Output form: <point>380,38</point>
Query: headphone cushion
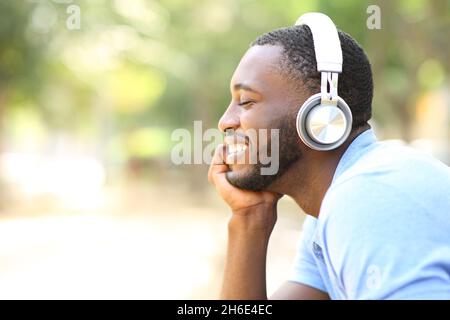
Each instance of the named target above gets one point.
<point>324,127</point>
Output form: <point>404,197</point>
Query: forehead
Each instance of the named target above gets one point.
<point>258,67</point>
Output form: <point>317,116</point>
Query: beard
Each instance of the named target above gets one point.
<point>288,154</point>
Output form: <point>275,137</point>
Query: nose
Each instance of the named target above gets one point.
<point>230,119</point>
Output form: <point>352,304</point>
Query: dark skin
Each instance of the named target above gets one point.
<point>261,94</point>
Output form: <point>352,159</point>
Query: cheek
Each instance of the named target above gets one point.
<point>252,121</point>
<point>261,116</point>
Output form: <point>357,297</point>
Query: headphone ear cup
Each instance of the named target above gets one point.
<point>324,127</point>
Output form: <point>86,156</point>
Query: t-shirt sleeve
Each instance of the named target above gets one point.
<point>304,269</point>
<point>383,243</point>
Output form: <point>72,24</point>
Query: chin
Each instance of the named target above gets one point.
<point>237,173</point>
<point>249,177</point>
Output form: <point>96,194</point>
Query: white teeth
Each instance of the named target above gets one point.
<point>235,148</point>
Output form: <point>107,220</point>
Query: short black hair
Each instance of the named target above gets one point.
<point>355,83</point>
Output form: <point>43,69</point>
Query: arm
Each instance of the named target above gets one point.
<point>248,238</point>
<point>245,269</point>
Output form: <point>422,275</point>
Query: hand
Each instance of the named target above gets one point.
<point>249,230</point>
<point>242,202</point>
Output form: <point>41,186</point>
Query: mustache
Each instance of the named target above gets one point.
<point>237,134</point>
<point>240,134</point>
<point>282,123</point>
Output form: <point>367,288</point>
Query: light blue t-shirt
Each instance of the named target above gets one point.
<point>383,231</point>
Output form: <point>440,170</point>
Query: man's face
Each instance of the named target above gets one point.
<point>262,98</point>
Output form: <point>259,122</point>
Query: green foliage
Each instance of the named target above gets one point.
<point>137,65</point>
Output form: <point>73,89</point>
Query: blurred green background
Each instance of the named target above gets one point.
<point>91,205</point>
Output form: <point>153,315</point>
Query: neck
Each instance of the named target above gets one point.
<point>308,179</point>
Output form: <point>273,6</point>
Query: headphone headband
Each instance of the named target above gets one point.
<point>324,121</point>
<point>326,41</point>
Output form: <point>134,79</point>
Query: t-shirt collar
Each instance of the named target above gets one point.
<point>363,140</point>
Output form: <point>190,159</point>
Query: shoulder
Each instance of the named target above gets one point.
<point>392,160</point>
<point>360,204</point>
<point>391,205</point>
<point>389,175</point>
<point>390,186</point>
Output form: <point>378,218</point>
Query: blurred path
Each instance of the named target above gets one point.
<point>171,248</point>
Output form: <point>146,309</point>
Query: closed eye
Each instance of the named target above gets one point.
<point>246,103</point>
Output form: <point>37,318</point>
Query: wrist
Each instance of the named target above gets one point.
<point>258,219</point>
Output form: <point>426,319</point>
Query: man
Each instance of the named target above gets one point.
<point>378,215</point>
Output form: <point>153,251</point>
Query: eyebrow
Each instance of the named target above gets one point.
<point>241,86</point>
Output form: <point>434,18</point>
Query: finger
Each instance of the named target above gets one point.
<point>223,186</point>
<point>217,164</point>
<point>219,155</point>
<point>217,172</point>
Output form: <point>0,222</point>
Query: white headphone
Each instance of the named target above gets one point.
<point>324,121</point>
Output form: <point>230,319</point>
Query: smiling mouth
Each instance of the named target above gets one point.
<point>236,147</point>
